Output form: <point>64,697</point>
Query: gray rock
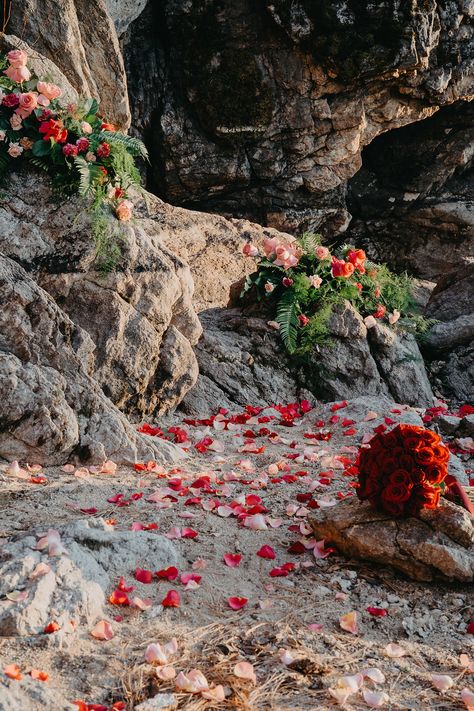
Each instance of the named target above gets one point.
<point>51,407</point>
<point>264,128</point>
<point>447,424</point>
<point>124,12</point>
<point>456,468</point>
<point>144,322</point>
<point>31,695</point>
<point>76,585</point>
<point>242,360</point>
<point>160,701</point>
<point>438,544</point>
<point>467,426</point>
<point>401,365</point>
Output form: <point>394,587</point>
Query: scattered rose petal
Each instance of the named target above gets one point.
<point>348,622</point>
<point>245,670</point>
<point>39,675</point>
<point>375,699</point>
<point>442,682</point>
<point>237,603</point>
<point>103,630</point>
<point>217,693</point>
<point>467,697</point>
<point>232,559</point>
<point>13,671</point>
<point>171,599</point>
<point>394,650</point>
<point>266,552</point>
<point>165,673</point>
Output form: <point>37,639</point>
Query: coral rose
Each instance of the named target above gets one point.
<point>49,91</point>
<point>124,210</point>
<point>322,252</point>
<point>27,103</point>
<point>18,74</point>
<point>249,250</point>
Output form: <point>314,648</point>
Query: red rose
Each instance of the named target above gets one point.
<point>424,455</point>
<point>441,454</point>
<point>400,476</point>
<point>103,150</point>
<point>396,492</point>
<point>11,100</point>
<point>436,473</point>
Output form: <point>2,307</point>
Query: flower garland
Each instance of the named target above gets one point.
<point>302,281</point>
<point>81,152</point>
<point>403,471</point>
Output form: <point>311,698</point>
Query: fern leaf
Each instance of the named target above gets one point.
<point>132,144</point>
<point>309,241</point>
<point>85,176</point>
<point>287,319</point>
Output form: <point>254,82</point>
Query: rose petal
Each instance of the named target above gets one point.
<point>237,603</point>
<point>375,699</point>
<point>165,673</point>
<point>394,650</point>
<point>103,630</point>
<point>245,670</point>
<point>232,559</point>
<point>468,699</point>
<point>442,682</point>
<point>348,622</point>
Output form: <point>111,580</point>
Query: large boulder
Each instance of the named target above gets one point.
<point>81,38</point>
<point>242,360</point>
<point>139,316</point>
<point>51,407</point>
<point>450,343</point>
<point>74,588</point>
<point>263,109</point>
<point>437,544</point>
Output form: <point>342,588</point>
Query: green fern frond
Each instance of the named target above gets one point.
<point>133,145</point>
<point>309,241</point>
<point>287,319</point>
<point>85,175</point>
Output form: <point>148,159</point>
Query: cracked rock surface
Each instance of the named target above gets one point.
<point>438,544</point>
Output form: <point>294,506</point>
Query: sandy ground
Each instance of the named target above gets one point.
<point>428,621</point>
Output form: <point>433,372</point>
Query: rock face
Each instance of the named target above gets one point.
<point>75,587</point>
<point>412,200</point>
<point>51,408</point>
<point>438,544</point>
<point>241,360</point>
<point>450,343</point>
<point>264,108</point>
<point>81,38</point>
<point>140,316</point>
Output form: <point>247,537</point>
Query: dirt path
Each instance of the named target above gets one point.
<point>289,629</point>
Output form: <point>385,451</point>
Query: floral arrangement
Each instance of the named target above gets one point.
<point>81,151</point>
<point>303,280</point>
<point>403,471</point>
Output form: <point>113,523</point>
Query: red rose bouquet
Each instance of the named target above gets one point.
<point>403,471</point>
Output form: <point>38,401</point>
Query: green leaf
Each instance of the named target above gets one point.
<point>287,319</point>
<point>41,148</point>
<point>133,145</point>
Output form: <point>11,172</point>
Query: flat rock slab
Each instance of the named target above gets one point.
<point>439,544</point>
<point>76,585</point>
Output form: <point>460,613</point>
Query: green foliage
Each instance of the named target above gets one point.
<point>287,319</point>
<point>132,145</point>
<point>304,294</point>
<point>108,239</point>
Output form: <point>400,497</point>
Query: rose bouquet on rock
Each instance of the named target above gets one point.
<point>403,471</point>
<point>303,281</point>
<point>81,151</point>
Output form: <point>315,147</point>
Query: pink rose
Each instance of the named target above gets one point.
<point>124,210</point>
<point>315,281</point>
<point>18,74</point>
<point>15,122</point>
<point>27,103</point>
<point>322,252</point>
<point>91,157</point>
<point>17,58</point>
<point>370,322</point>
<point>86,127</point>
<point>393,317</point>
<point>270,246</point>
<point>15,150</point>
<point>249,250</point>
<point>286,256</point>
<point>50,91</point>
<point>269,287</point>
